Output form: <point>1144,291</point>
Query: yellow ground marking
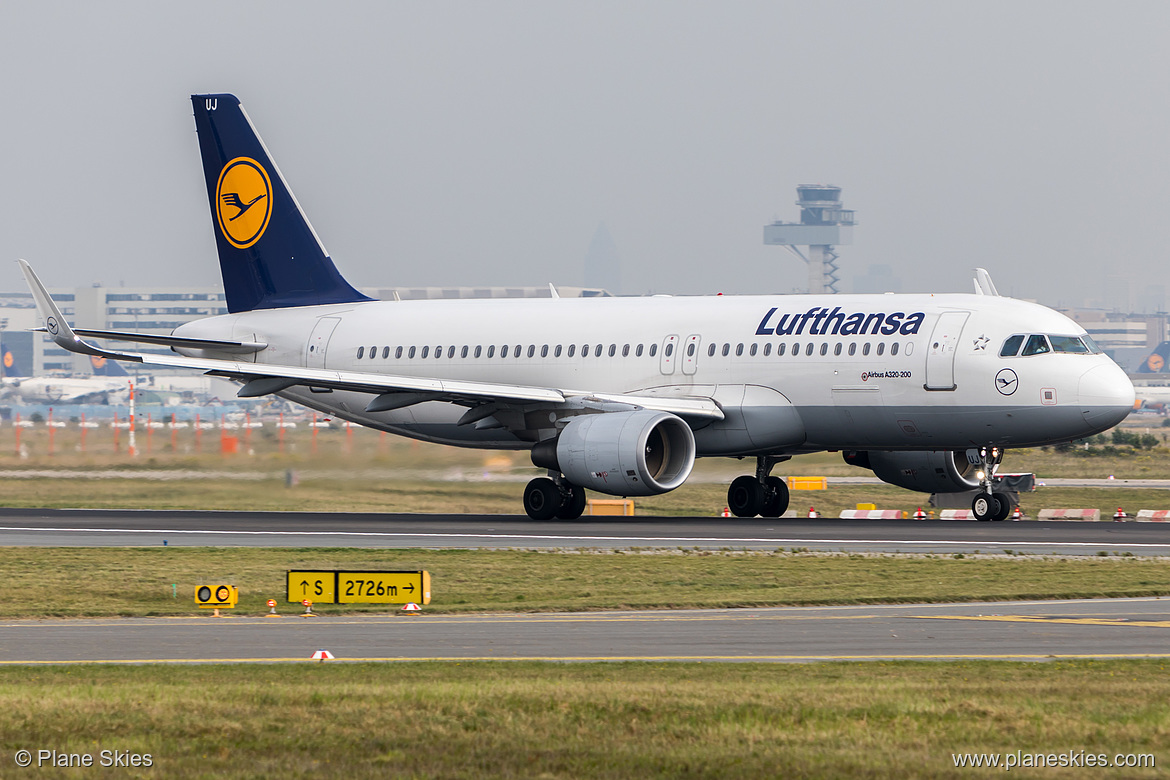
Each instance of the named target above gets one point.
<point>1085,621</point>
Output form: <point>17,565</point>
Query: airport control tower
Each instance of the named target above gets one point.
<point>823,225</point>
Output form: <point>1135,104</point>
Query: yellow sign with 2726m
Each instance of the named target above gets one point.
<point>360,587</point>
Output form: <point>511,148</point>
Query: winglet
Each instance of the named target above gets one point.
<point>55,322</point>
<point>983,283</point>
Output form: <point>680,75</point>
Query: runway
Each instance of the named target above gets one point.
<point>65,527</point>
<point>1022,631</point>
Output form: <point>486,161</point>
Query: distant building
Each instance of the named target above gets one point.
<point>877,279</point>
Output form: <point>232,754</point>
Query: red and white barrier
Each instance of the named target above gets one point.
<point>1153,516</point>
<point>1081,515</point>
<point>956,514</point>
<point>871,514</point>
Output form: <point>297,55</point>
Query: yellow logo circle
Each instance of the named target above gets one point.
<point>1155,362</point>
<point>243,200</point>
<point>98,362</point>
<point>8,360</point>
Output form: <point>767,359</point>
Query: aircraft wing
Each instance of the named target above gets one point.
<point>264,378</point>
<point>234,347</point>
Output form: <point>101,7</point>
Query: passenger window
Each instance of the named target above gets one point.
<point>584,350</point>
<point>824,349</point>
<point>768,349</point>
<point>597,351</point>
<point>852,348</point>
<point>669,350</point>
<point>411,353</point>
<point>738,350</point>
<point>544,351</point>
<point>398,353</point>
<point>385,352</point>
<point>808,350</point>
<point>438,352</point>
<point>638,351</point>
<point>796,349</point>
<point>531,350</point>
<point>491,350</point>
<point>361,351</point>
<point>503,351</point>
<point>1011,346</point>
<point>478,350</point>
<point>711,349</point>
<point>425,352</point>
<point>373,352</point>
<point>837,348</point>
<point>691,349</point>
<point>451,352</point>
<point>1037,345</point>
<point>780,350</point>
<point>653,350</point>
<point>517,350</point>
<point>865,348</point>
<point>753,349</point>
<point>626,350</point>
<point>463,353</point>
<point>894,348</point>
<point>881,347</point>
<point>557,351</point>
<point>572,349</point>
<point>612,350</point>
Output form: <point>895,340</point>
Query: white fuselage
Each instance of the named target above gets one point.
<point>792,373</point>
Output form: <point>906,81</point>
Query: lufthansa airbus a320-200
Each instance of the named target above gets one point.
<point>620,395</point>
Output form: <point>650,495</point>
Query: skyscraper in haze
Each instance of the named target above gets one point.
<point>603,268</point>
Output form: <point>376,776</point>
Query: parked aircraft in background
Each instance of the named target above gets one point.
<point>109,382</point>
<point>620,395</point>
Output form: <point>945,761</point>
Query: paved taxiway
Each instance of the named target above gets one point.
<point>1120,628</point>
<point>308,529</point>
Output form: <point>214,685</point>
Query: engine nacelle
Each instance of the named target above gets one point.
<point>639,453</point>
<point>928,472</point>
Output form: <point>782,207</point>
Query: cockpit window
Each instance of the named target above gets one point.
<point>1068,344</point>
<point>1011,346</point>
<point>1036,345</point>
<point>1092,345</point>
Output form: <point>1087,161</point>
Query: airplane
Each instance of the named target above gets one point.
<point>621,395</point>
<point>21,388</point>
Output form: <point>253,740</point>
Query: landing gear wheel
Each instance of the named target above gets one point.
<point>542,499</point>
<point>1005,507</point>
<point>775,497</point>
<point>745,497</point>
<point>573,504</point>
<point>985,506</point>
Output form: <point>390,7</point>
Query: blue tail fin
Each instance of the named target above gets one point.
<point>104,367</point>
<point>1158,361</point>
<point>269,254</point>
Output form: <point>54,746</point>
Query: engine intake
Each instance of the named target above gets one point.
<point>939,471</point>
<point>638,453</point>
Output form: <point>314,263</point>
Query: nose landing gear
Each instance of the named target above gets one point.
<point>989,504</point>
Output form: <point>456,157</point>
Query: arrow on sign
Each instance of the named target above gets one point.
<point>304,587</point>
<point>409,588</point>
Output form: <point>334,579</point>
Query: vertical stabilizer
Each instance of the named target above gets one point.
<point>269,254</point>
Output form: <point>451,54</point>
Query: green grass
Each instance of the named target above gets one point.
<point>70,582</point>
<point>474,720</point>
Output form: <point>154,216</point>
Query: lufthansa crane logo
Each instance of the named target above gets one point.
<point>243,202</point>
<point>1006,381</point>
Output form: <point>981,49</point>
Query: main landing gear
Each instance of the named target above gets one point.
<point>553,496</point>
<point>762,494</point>
<point>988,504</point>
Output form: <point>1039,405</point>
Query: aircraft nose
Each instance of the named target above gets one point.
<point>1106,396</point>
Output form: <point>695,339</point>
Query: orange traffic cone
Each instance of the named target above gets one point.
<point>1017,514</point>
<point>919,514</point>
<point>725,513</point>
<point>1120,514</point>
<point>812,512</point>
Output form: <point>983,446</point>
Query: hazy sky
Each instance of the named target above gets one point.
<point>483,143</point>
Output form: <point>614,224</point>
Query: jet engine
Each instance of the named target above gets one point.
<point>940,471</point>
<point>636,453</point>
